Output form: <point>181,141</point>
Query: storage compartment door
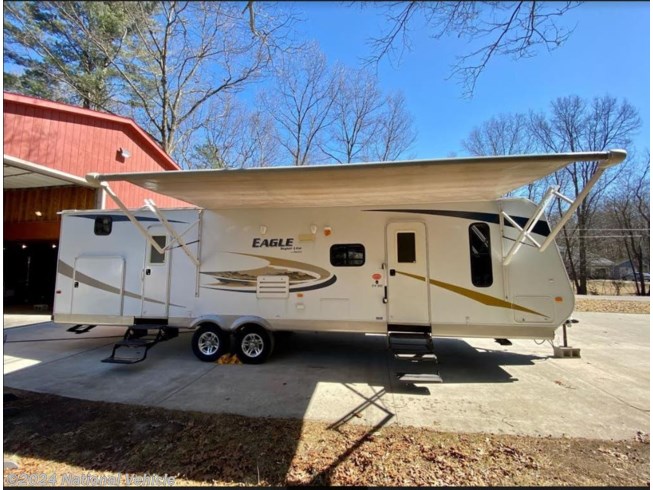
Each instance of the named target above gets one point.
<point>98,286</point>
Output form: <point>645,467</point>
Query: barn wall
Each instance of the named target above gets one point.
<point>20,205</point>
<point>80,141</point>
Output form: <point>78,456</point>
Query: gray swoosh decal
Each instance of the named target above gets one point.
<point>68,271</point>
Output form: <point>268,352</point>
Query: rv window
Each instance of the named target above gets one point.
<point>479,251</point>
<point>348,255</point>
<point>103,225</point>
<point>155,256</point>
<point>406,248</point>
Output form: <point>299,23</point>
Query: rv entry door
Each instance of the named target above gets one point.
<point>408,287</point>
<point>156,276</point>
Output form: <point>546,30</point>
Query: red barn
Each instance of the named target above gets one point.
<point>48,149</point>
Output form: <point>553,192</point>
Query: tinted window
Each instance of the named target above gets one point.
<point>406,247</point>
<point>155,256</point>
<point>479,252</point>
<point>348,255</point>
<point>103,225</point>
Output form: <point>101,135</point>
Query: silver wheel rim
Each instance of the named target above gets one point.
<point>208,343</point>
<point>252,345</point>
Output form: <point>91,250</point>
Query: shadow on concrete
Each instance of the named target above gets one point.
<point>459,362</point>
<point>354,374</point>
<point>462,363</point>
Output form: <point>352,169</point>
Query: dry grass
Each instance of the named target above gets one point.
<point>610,287</point>
<point>56,435</point>
<point>612,306</point>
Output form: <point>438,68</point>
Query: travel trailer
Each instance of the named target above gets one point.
<point>412,250</point>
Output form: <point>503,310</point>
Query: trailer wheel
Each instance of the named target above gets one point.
<point>209,342</point>
<point>253,344</point>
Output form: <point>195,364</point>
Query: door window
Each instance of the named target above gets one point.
<point>155,256</point>
<point>406,248</point>
<point>480,257</point>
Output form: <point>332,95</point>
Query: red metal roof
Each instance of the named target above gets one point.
<point>78,141</point>
<point>163,158</point>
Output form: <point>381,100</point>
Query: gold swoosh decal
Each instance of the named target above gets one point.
<point>297,282</point>
<point>293,264</point>
<point>476,296</point>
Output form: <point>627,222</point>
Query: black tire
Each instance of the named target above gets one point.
<point>253,344</point>
<point>210,342</point>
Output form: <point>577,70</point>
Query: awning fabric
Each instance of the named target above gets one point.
<point>21,174</point>
<point>365,184</point>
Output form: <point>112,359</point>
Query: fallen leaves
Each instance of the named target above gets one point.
<point>228,359</point>
<point>220,449</point>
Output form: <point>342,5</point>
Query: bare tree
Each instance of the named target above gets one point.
<point>515,29</point>
<point>301,103</point>
<point>575,124</point>
<point>394,133</point>
<point>236,138</point>
<point>505,134</point>
<point>629,208</point>
<point>187,54</point>
<point>355,116</point>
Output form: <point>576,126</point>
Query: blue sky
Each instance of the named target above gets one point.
<point>608,53</point>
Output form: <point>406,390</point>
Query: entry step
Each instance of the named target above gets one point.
<point>79,329</point>
<point>129,351</point>
<point>122,360</point>
<point>393,327</point>
<point>405,353</point>
<point>134,342</point>
<point>406,343</point>
<point>419,378</point>
<point>415,356</point>
<point>409,336</point>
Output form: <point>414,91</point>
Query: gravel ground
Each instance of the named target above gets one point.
<point>603,305</point>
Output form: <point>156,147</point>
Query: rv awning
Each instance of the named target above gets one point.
<point>373,184</point>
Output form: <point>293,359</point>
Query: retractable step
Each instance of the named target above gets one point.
<point>419,378</point>
<point>79,329</point>
<point>134,346</point>
<point>413,344</point>
<point>413,357</point>
<point>129,351</point>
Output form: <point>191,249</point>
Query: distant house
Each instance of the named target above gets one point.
<point>623,267</point>
<point>601,268</point>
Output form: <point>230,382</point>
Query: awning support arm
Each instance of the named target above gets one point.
<point>132,218</point>
<point>164,221</point>
<point>550,194</point>
<point>525,232</point>
<point>572,208</point>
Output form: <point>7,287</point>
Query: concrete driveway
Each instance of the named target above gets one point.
<point>518,389</point>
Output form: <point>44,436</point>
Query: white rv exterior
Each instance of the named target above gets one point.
<point>449,266</point>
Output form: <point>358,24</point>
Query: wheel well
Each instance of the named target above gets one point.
<point>210,323</point>
<point>251,324</point>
